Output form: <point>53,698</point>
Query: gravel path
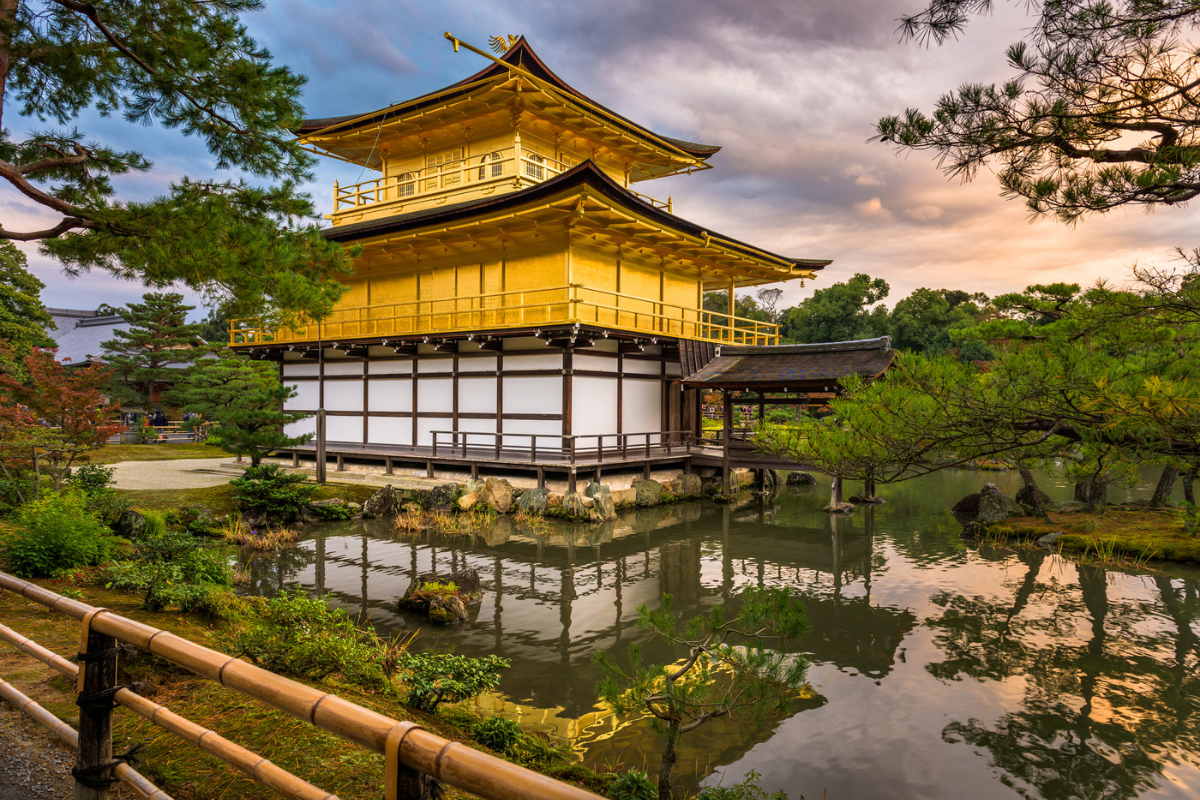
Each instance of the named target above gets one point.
<point>188,473</point>
<point>34,765</point>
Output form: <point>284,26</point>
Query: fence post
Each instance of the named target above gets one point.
<point>402,782</point>
<point>97,681</point>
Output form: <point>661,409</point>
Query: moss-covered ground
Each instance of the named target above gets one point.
<point>219,499</point>
<point>116,453</point>
<point>1122,533</point>
<point>186,772</point>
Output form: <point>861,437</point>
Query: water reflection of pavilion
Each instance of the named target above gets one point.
<point>552,600</point>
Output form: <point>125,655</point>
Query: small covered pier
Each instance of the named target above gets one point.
<point>792,374</point>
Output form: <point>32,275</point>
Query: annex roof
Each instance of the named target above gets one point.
<point>618,214</point>
<point>80,345</point>
<point>793,367</point>
<point>494,87</point>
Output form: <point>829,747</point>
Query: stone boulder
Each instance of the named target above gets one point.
<point>647,493</point>
<point>447,610</point>
<point>130,524</point>
<point>497,493</point>
<point>573,507</point>
<point>801,479</point>
<point>1051,539</point>
<point>994,506</point>
<point>689,485</point>
<point>473,486</point>
<point>468,501</point>
<point>602,500</point>
<point>554,500</point>
<point>861,499</point>
<point>770,479</point>
<point>968,506</point>
<point>840,508</point>
<point>443,498</point>
<point>533,501</point>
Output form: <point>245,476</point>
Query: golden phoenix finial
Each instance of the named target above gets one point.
<point>502,44</point>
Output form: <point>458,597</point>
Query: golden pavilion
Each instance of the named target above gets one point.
<point>514,292</point>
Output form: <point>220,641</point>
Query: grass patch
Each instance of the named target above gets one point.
<point>1132,533</point>
<point>219,499</point>
<point>185,771</point>
<point>114,453</point>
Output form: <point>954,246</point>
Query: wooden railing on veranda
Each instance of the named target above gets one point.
<point>572,303</point>
<point>412,754</point>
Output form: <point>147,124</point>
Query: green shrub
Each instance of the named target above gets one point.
<point>436,678</point>
<point>53,533</point>
<point>498,733</point>
<point>91,478</point>
<point>107,505</point>
<point>748,789</point>
<point>633,785</point>
<point>16,488</point>
<point>780,416</point>
<point>170,567</point>
<point>331,512</point>
<point>303,636</point>
<point>267,489</point>
<point>218,603</point>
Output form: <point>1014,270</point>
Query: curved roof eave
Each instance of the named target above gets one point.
<point>586,173</point>
<point>522,55</point>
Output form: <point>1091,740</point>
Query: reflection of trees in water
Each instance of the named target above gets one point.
<point>1100,717</point>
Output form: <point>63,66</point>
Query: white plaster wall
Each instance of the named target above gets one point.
<point>308,395</point>
<point>344,429</point>
<point>389,367</point>
<point>595,363</point>
<point>477,395</point>
<point>593,406</point>
<point>305,370</point>
<point>532,395</point>
<point>641,409</point>
<point>539,426</point>
<point>533,361</point>
<point>302,427</point>
<point>524,343</point>
<point>435,365</point>
<point>426,426</point>
<point>435,394</point>
<point>343,368</point>
<point>479,364</point>
<point>634,366</point>
<point>479,426</point>
<point>673,369</point>
<point>390,394</point>
<point>390,430</point>
<point>344,396</point>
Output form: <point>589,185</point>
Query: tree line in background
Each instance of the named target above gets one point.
<point>921,322</point>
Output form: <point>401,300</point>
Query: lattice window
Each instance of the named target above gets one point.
<point>444,169</point>
<point>535,167</point>
<point>490,166</point>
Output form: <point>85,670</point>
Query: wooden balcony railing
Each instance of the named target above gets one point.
<point>519,309</point>
<point>468,175</point>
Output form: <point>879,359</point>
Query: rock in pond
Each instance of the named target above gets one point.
<point>533,501</point>
<point>801,479</point>
<point>468,501</point>
<point>995,506</point>
<point>602,501</point>
<point>497,493</point>
<point>443,498</point>
<point>649,493</point>
<point>384,503</point>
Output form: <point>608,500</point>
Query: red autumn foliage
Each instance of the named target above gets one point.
<point>60,411</point>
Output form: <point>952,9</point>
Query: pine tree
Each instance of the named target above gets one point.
<point>246,399</point>
<point>187,65</point>
<point>157,345</point>
<point>23,318</point>
<point>1102,110</point>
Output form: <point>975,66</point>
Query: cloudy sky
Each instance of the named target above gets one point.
<point>790,88</point>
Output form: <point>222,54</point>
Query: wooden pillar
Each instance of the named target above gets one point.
<point>541,475</point>
<point>571,489</point>
<point>295,459</point>
<point>727,400</point>
<point>341,464</point>
<point>428,469</point>
<point>387,466</point>
<point>98,678</point>
<point>731,307</point>
<point>321,444</point>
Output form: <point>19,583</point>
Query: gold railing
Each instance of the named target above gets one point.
<point>518,309</point>
<point>469,174</point>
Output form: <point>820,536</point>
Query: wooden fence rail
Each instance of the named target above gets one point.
<point>412,754</point>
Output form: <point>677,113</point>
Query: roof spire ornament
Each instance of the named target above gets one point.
<point>501,44</point>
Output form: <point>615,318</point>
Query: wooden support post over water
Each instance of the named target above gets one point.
<point>295,459</point>
<point>429,469</point>
<point>321,446</point>
<point>727,414</point>
<point>571,481</point>
<point>341,464</point>
<point>97,681</point>
<point>387,466</point>
<point>646,470</point>
<point>541,473</point>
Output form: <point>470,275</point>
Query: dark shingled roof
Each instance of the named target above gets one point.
<point>522,55</point>
<point>585,174</point>
<point>795,367</point>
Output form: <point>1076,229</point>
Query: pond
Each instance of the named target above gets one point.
<point>940,667</point>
